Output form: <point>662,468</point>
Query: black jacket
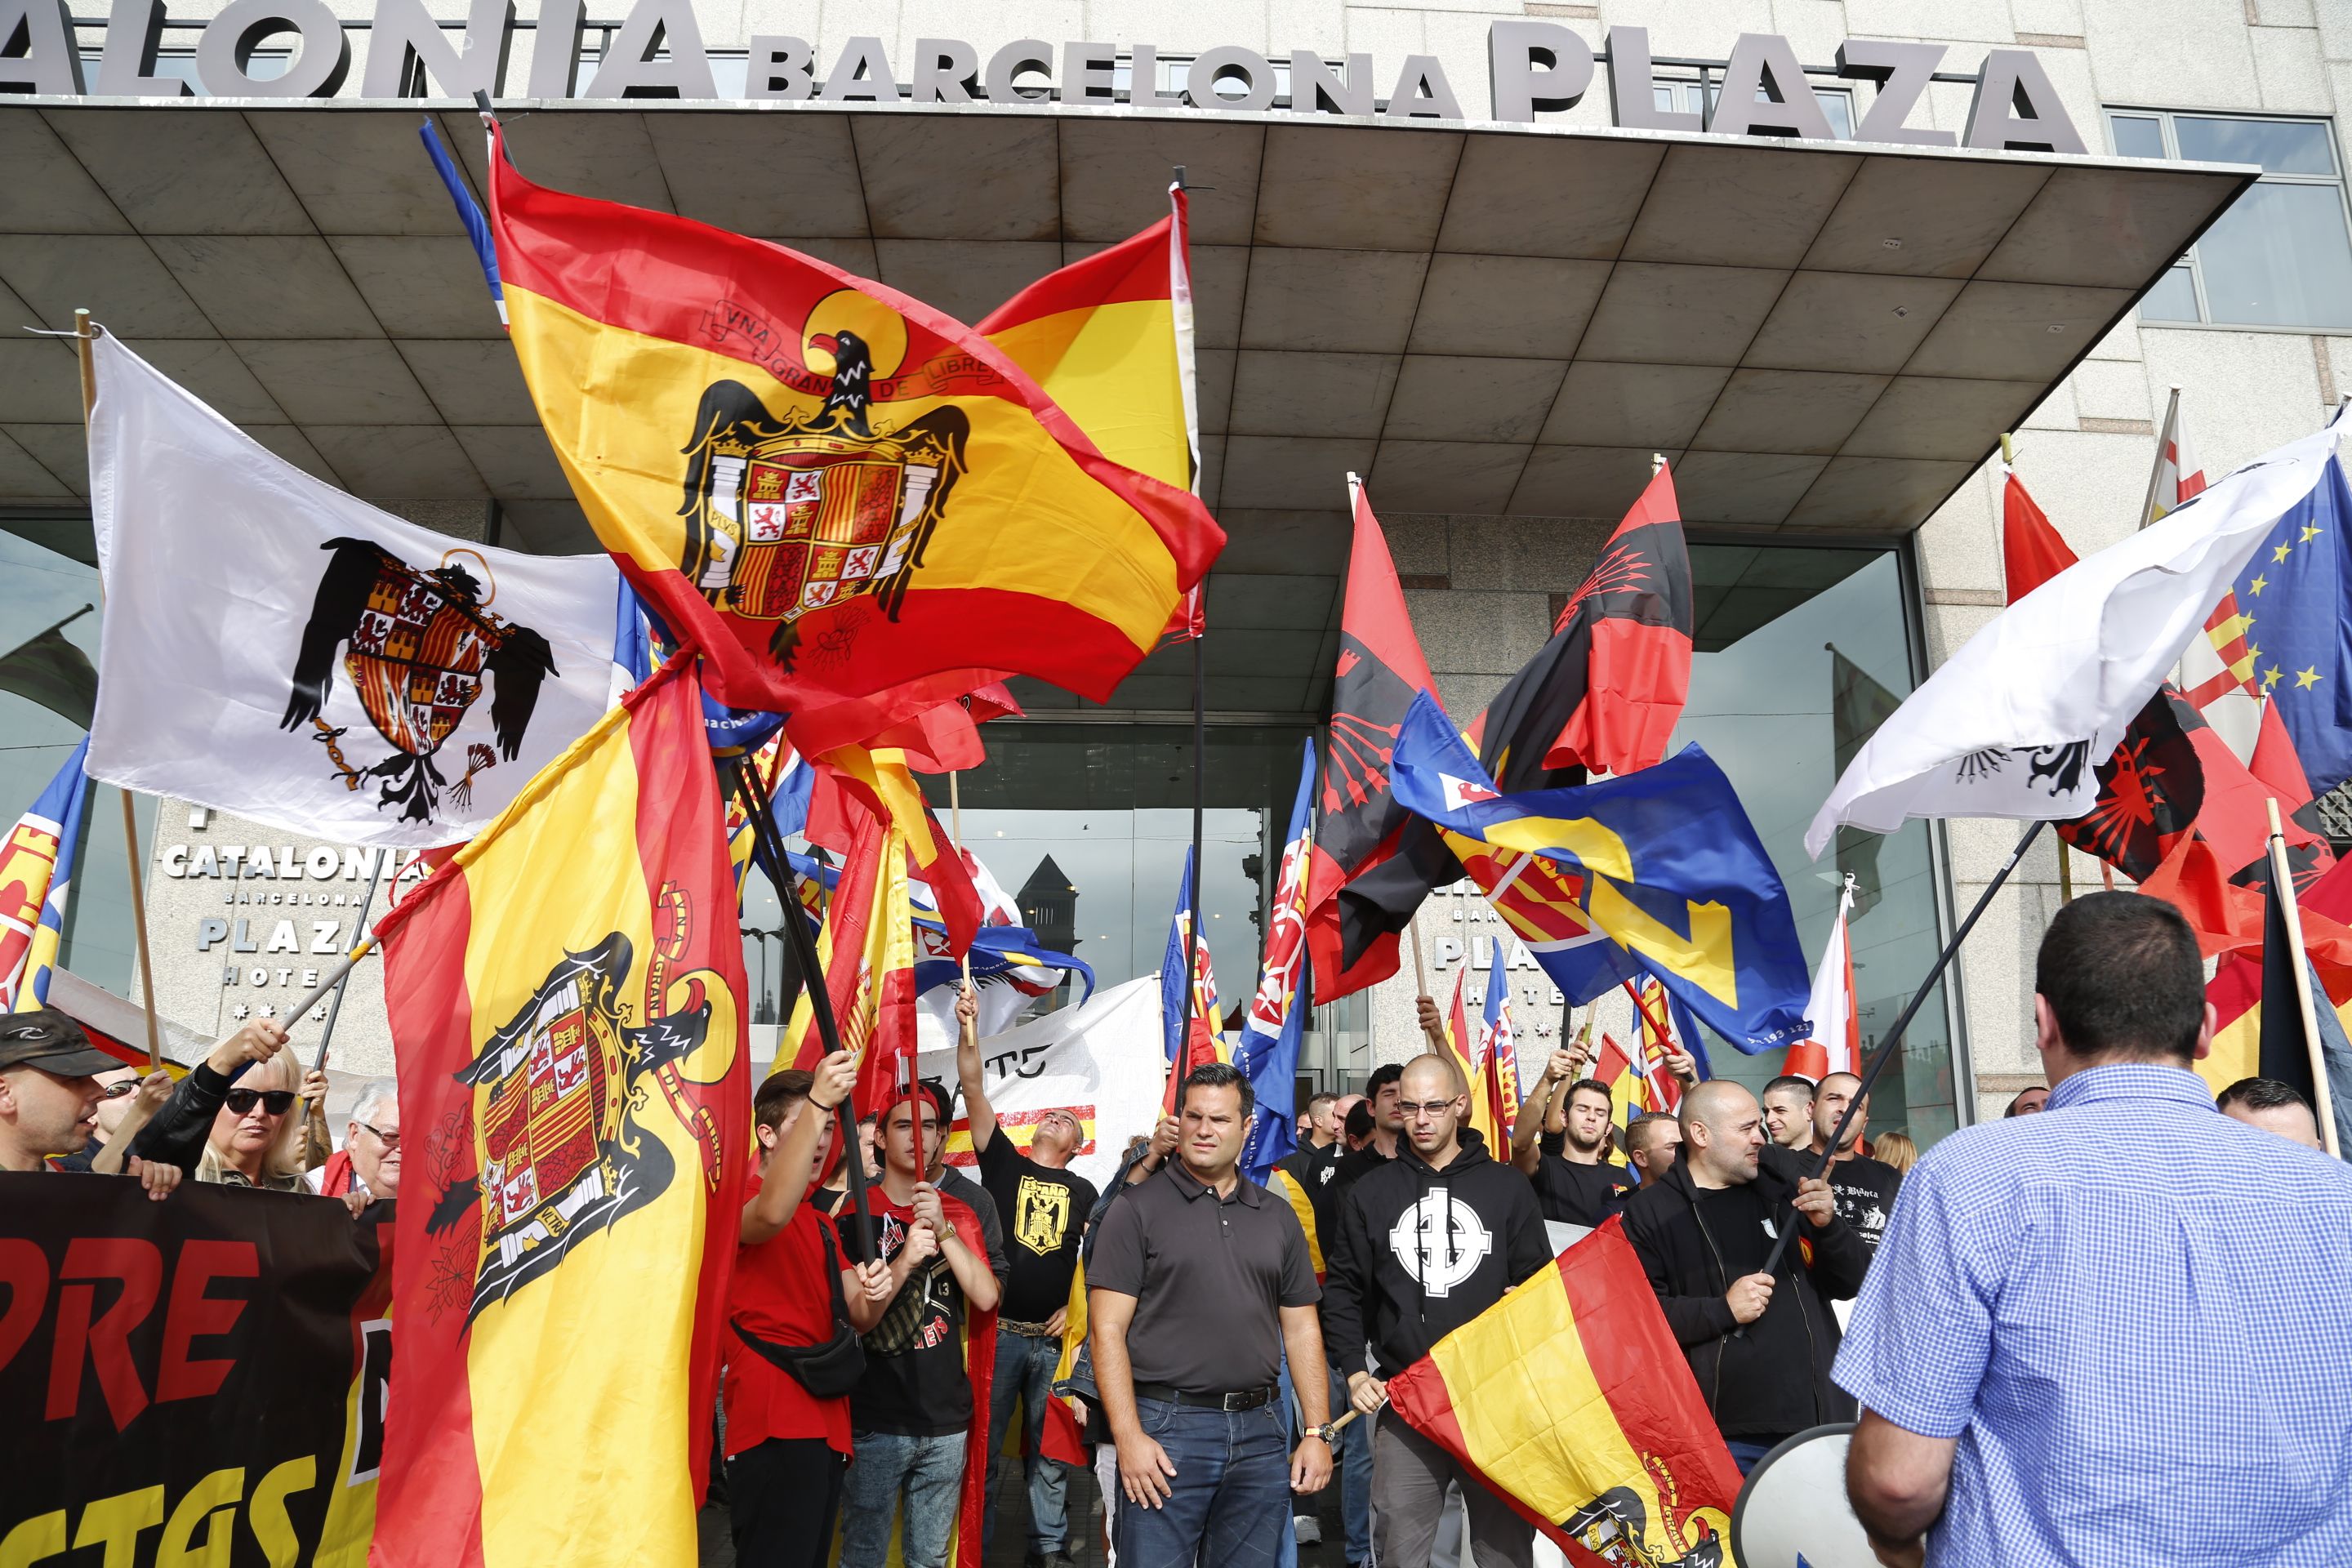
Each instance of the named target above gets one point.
<point>1487,1213</point>
<point>1775,1379</point>
<point>176,1134</point>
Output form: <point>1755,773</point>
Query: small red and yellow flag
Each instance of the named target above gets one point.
<point>867,952</point>
<point>1571,1400</point>
<point>564,1004</point>
<point>833,487</point>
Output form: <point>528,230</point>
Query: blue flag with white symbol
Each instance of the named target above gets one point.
<point>1268,1053</point>
<point>1660,870</point>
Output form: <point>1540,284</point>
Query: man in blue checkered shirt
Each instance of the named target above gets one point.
<point>2119,1332</point>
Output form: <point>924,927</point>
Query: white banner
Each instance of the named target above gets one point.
<point>1105,1061</point>
<point>279,649</point>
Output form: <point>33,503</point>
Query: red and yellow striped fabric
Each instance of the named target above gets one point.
<point>1571,1400</point>
<point>1109,339</point>
<point>831,487</point>
<point>563,1004</point>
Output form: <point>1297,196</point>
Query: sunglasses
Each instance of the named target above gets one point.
<point>276,1101</point>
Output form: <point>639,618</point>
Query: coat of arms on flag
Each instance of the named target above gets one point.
<point>420,640</point>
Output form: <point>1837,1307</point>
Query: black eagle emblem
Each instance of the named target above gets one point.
<point>799,516</point>
<point>419,643</point>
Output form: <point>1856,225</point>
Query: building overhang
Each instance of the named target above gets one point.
<point>1823,338</point>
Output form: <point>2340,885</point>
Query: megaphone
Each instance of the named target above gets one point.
<point>1792,1509</point>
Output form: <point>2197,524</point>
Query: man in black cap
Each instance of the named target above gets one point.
<point>49,1093</point>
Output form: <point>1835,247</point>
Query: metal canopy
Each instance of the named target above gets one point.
<point>1823,338</point>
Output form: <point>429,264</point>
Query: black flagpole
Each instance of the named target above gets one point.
<point>1893,1041</point>
<point>803,947</point>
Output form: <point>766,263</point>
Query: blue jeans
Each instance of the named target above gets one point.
<point>1228,1502</point>
<point>1747,1454</point>
<point>927,1471</point>
<point>1355,1472</point>
<point>1024,1376</point>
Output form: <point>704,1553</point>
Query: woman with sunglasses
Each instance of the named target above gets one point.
<point>256,1135</point>
<point>243,1079</point>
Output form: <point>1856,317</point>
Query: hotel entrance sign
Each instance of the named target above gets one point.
<point>657,52</point>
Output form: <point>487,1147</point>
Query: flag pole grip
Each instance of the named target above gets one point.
<point>2282,877</point>
<point>955,832</point>
<point>770,842</point>
<point>1892,1044</point>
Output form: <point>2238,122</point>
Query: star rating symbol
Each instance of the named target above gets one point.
<point>2279,553</point>
<point>267,1011</point>
<point>2256,587</point>
<point>2270,678</point>
<point>240,1011</point>
<point>2305,680</point>
<point>2310,532</point>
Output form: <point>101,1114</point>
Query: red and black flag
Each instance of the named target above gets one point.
<point>1357,819</point>
<point>1604,693</point>
<point>1609,686</point>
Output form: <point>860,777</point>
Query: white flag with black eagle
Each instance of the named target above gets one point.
<point>2016,723</point>
<point>277,648</point>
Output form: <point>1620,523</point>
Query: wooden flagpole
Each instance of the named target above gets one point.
<point>2283,879</point>
<point>955,832</point>
<point>84,336</point>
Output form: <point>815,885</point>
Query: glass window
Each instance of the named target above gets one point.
<point>1684,98</point>
<point>1800,653</point>
<point>2282,255</point>
<point>40,590</point>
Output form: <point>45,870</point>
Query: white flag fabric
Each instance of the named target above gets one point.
<point>1103,1060</point>
<point>2015,722</point>
<point>1834,1044</point>
<point>279,649</point>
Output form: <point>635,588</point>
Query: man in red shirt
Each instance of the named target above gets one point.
<point>786,1448</point>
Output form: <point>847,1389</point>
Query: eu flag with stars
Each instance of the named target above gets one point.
<point>1669,876</point>
<point>2293,597</point>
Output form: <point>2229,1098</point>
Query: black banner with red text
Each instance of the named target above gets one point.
<point>200,1380</point>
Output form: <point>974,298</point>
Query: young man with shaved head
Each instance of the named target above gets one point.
<point>1759,1344</point>
<point>1422,1246</point>
<point>1865,1188</point>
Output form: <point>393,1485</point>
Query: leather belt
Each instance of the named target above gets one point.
<point>1247,1399</point>
<point>1027,1330</point>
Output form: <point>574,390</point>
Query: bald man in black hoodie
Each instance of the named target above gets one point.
<point>1424,1244</point>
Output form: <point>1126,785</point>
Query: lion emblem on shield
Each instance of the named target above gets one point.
<point>787,518</point>
<point>419,645</point>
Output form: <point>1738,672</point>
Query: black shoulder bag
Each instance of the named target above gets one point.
<point>829,1370</point>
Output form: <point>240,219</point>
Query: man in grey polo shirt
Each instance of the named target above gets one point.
<point>1199,1283</point>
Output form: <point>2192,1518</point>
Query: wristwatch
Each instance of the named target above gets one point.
<point>1321,1433</point>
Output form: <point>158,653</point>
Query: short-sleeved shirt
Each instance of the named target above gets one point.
<point>915,1383</point>
<point>1207,1275</point>
<point>1043,1214</point>
<point>782,1294</point>
<point>1569,1193</point>
<point>2135,1316</point>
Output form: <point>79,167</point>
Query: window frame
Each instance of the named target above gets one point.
<point>2164,118</point>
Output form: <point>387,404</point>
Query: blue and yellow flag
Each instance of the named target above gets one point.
<point>36,865</point>
<point>1661,869</point>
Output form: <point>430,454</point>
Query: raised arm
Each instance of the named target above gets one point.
<point>976,1107</point>
<point>1560,1067</point>
<point>791,1161</point>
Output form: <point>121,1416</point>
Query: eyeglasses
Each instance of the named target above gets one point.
<point>276,1101</point>
<point>1431,1108</point>
<point>389,1139</point>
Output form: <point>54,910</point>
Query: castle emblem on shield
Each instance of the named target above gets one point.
<point>561,1142</point>
<point>789,517</point>
<point>420,645</point>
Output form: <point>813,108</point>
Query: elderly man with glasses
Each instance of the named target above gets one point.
<point>369,1161</point>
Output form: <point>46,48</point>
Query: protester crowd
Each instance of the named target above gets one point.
<point>1218,1366</point>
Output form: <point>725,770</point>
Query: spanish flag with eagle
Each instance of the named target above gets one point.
<point>564,1004</point>
<point>832,488</point>
<point>1570,1400</point>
